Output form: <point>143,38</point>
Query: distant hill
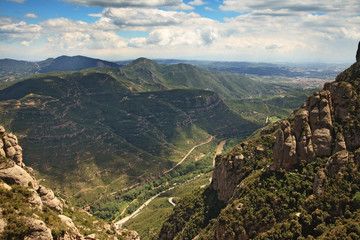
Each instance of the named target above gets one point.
<point>14,70</point>
<point>76,63</point>
<point>11,65</point>
<point>62,63</point>
<point>290,70</point>
<point>147,75</point>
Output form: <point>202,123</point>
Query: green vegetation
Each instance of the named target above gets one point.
<point>123,203</point>
<point>314,199</point>
<point>269,110</point>
<point>93,124</point>
<point>15,209</point>
<point>148,223</point>
<point>105,136</point>
<point>276,204</point>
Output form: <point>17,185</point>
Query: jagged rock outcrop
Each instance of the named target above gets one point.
<point>37,230</point>
<point>129,234</point>
<point>312,133</point>
<point>232,168</point>
<point>9,147</point>
<point>73,233</point>
<point>309,135</point>
<point>13,174</point>
<point>358,54</point>
<point>48,199</point>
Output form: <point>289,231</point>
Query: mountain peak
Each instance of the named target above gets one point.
<point>75,63</point>
<point>143,60</point>
<point>358,54</point>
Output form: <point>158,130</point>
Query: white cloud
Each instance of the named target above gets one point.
<point>125,18</point>
<point>345,7</point>
<point>197,3</point>
<point>11,30</point>
<point>31,15</point>
<point>132,3</point>
<point>56,25</point>
<point>279,31</point>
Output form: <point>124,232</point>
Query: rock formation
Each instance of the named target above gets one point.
<point>48,199</point>
<point>40,201</point>
<point>9,147</point>
<point>37,229</point>
<point>358,54</point>
<point>311,132</point>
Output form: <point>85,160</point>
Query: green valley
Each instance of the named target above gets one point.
<point>107,137</point>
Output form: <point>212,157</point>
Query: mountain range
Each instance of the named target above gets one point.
<point>99,129</point>
<point>14,70</point>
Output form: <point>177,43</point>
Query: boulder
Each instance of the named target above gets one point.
<point>10,152</point>
<point>5,186</point>
<point>319,182</point>
<point>17,175</point>
<point>9,147</point>
<point>37,230</point>
<point>128,234</point>
<point>74,232</point>
<point>35,199</point>
<point>48,199</point>
<point>339,143</point>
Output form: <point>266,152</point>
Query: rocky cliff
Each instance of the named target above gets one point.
<point>29,210</point>
<point>299,180</point>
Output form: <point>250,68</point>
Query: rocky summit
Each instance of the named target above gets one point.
<point>299,180</point>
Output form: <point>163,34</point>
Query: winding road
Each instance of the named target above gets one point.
<point>182,160</point>
<point>121,222</point>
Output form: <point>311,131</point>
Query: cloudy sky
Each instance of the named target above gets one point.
<point>228,30</point>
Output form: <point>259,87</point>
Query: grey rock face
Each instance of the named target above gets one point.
<point>309,135</point>
<point>48,199</point>
<point>10,148</point>
<point>17,175</point>
<point>38,230</point>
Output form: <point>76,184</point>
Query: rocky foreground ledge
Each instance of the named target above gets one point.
<point>29,210</point>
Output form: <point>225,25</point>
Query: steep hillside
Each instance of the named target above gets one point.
<point>300,181</point>
<point>29,210</point>
<point>82,130</point>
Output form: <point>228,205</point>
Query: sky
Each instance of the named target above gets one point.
<point>226,30</point>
